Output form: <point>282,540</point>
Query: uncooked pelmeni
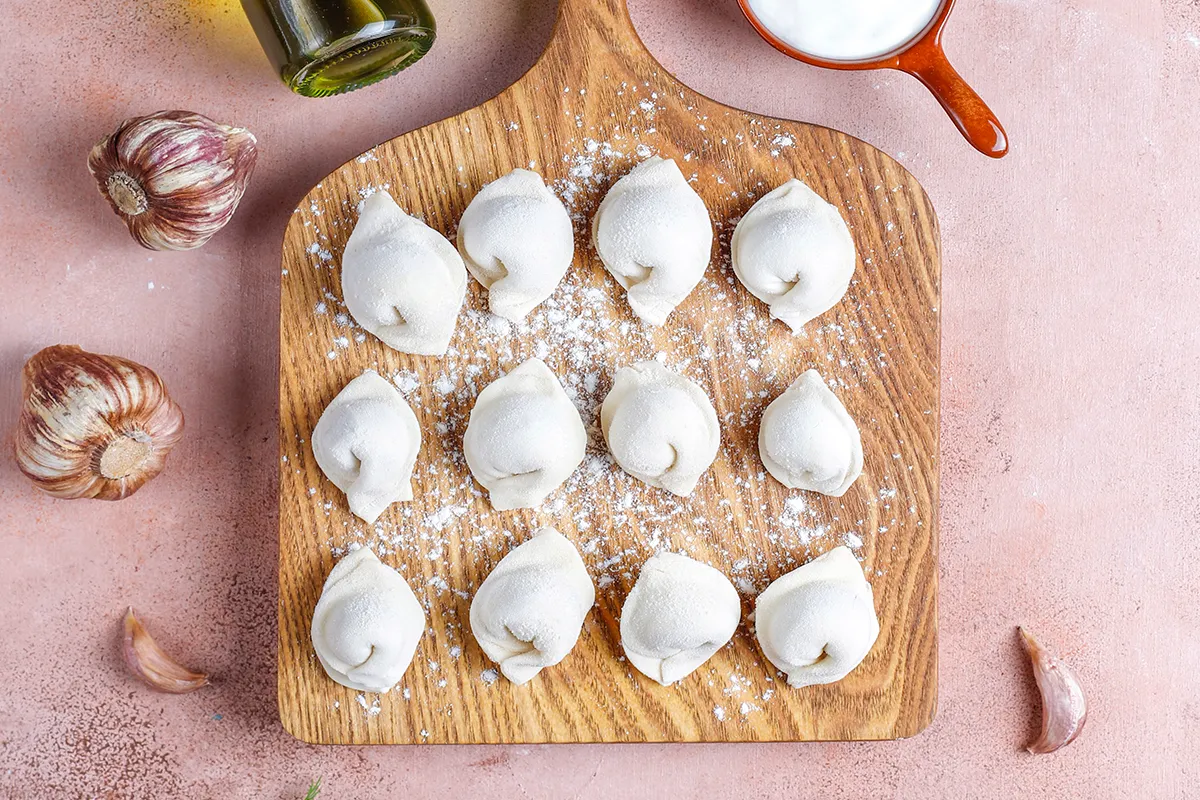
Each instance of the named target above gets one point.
<point>517,241</point>
<point>524,437</point>
<point>366,442</point>
<point>793,251</point>
<point>367,624</point>
<point>402,280</point>
<point>530,608</point>
<point>817,623</point>
<point>653,234</point>
<point>676,616</point>
<point>660,427</point>
<point>808,441</point>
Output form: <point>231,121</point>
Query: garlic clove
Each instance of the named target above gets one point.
<point>155,668</point>
<point>1064,708</point>
<point>174,177</point>
<point>93,425</point>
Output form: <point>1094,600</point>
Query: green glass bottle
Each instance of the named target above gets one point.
<point>324,47</point>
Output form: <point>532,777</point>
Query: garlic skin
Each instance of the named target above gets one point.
<point>174,177</point>
<point>93,425</point>
<point>1064,708</point>
<point>147,661</point>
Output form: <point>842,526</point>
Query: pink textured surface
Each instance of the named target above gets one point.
<point>1071,422</point>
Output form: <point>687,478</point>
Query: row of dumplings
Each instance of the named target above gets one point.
<point>525,437</point>
<point>815,624</point>
<point>405,283</point>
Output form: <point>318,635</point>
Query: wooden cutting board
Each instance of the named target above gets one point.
<point>595,104</point>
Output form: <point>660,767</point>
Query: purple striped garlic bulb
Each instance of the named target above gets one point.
<point>174,177</point>
<point>93,425</point>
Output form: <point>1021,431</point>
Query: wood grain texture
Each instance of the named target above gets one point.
<point>594,105</point>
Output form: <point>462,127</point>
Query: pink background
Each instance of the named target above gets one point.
<point>1071,422</point>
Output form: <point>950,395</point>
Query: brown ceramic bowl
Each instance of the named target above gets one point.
<point>923,58</point>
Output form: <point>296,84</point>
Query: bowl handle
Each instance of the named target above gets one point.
<point>928,63</point>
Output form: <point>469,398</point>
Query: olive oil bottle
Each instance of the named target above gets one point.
<point>324,47</point>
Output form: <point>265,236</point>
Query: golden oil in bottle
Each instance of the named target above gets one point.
<point>324,47</point>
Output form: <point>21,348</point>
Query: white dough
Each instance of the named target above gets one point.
<point>654,236</point>
<point>402,280</point>
<point>528,613</point>
<point>808,441</point>
<point>367,624</point>
<point>676,616</point>
<point>793,251</point>
<point>517,241</point>
<point>660,426</point>
<point>366,442</point>
<point>817,623</point>
<point>524,437</point>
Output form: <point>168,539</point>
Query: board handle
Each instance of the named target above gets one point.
<point>585,25</point>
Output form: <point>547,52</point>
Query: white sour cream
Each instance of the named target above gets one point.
<point>845,30</point>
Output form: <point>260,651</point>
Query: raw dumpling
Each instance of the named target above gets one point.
<point>817,623</point>
<point>367,624</point>
<point>528,612</point>
<point>654,235</point>
<point>660,427</point>
<point>677,615</point>
<point>366,442</point>
<point>524,437</point>
<point>808,441</point>
<point>402,280</point>
<point>517,241</point>
<point>793,251</point>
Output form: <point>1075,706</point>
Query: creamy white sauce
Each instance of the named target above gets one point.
<point>845,30</point>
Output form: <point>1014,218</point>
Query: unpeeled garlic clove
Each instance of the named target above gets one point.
<point>93,425</point>
<point>1064,708</point>
<point>154,667</point>
<point>174,177</point>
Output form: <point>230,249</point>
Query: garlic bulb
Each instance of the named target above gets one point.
<point>155,668</point>
<point>92,425</point>
<point>175,177</point>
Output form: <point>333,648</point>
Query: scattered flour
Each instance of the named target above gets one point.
<point>373,708</point>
